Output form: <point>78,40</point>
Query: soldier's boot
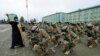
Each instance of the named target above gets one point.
<point>44,54</point>
<point>55,44</point>
<point>12,47</point>
<point>96,42</point>
<point>99,40</point>
<point>90,44</point>
<point>66,50</point>
<point>59,43</point>
<point>79,41</point>
<point>67,53</point>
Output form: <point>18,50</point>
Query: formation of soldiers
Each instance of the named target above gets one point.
<point>44,38</point>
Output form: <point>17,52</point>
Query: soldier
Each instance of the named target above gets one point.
<point>42,34</point>
<point>49,29</point>
<point>67,41</point>
<point>98,33</point>
<point>56,35</point>
<point>91,33</point>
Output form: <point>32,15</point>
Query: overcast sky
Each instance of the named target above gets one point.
<point>40,8</point>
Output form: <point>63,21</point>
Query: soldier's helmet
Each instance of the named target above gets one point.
<point>34,28</point>
<point>64,29</point>
<point>89,25</point>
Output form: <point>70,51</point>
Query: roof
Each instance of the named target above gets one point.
<point>54,14</point>
<point>85,9</point>
<point>76,10</point>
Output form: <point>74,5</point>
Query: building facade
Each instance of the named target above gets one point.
<point>91,14</point>
<point>54,18</point>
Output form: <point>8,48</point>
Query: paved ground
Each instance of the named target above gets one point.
<point>5,43</point>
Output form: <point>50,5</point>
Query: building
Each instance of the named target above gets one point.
<point>91,14</point>
<point>57,17</point>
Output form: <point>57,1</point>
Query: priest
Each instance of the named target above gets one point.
<point>17,35</point>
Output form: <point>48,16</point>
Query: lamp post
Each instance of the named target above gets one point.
<point>27,8</point>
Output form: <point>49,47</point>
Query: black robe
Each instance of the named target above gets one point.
<point>16,35</point>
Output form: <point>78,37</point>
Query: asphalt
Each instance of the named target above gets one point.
<point>5,42</point>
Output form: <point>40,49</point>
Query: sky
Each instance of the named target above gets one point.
<point>40,8</point>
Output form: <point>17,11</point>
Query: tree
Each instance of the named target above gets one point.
<point>4,21</point>
<point>1,21</point>
<point>33,20</point>
<point>22,19</point>
<point>26,22</point>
